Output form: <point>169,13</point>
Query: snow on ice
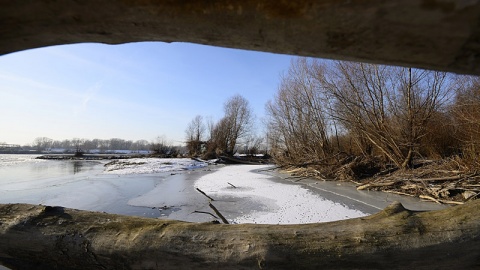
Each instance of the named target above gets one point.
<point>293,204</point>
<point>151,165</point>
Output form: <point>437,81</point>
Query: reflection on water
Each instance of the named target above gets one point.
<point>82,185</point>
<point>52,168</point>
<point>77,184</point>
<point>77,166</point>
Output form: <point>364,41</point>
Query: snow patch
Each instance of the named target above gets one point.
<point>151,165</point>
<point>293,204</point>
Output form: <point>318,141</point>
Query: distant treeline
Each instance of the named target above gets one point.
<point>159,146</point>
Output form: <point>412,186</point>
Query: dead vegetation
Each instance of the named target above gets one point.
<point>448,181</point>
<point>400,130</point>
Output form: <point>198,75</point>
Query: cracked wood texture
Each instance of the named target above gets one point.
<point>43,237</point>
<point>432,34</point>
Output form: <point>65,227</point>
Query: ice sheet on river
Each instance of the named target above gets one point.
<point>142,186</point>
<point>288,204</point>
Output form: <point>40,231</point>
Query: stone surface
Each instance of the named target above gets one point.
<point>434,34</point>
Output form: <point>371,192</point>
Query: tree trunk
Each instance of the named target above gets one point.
<point>43,237</point>
<point>408,161</point>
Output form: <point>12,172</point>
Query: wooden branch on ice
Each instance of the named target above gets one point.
<point>203,212</point>
<point>218,213</point>
<point>213,207</point>
<point>205,194</point>
<point>39,237</point>
<point>231,185</point>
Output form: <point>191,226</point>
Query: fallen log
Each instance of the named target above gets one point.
<point>43,237</point>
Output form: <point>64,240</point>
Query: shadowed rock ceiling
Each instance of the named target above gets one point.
<point>433,34</point>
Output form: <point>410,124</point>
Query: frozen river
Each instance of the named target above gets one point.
<point>88,185</point>
<point>167,188</point>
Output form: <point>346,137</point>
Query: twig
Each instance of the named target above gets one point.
<point>231,185</point>
<point>430,198</point>
<point>373,185</point>
<point>270,169</point>
<point>387,171</point>
<point>451,178</point>
<point>399,193</point>
<point>218,213</point>
<point>356,183</point>
<point>451,202</point>
<point>473,197</point>
<point>205,194</point>
<point>208,213</point>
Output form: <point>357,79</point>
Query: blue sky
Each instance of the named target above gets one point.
<point>130,91</point>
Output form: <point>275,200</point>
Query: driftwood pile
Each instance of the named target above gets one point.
<point>445,181</point>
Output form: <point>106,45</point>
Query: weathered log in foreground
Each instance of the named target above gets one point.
<point>39,237</point>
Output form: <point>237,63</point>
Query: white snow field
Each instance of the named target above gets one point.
<point>287,203</point>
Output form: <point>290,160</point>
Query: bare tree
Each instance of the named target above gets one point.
<point>466,111</point>
<point>379,108</point>
<point>219,137</point>
<point>387,106</point>
<point>236,124</point>
<point>42,143</point>
<point>78,144</point>
<point>298,120</point>
<point>239,120</point>
<point>139,145</point>
<point>195,133</point>
<point>162,148</point>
